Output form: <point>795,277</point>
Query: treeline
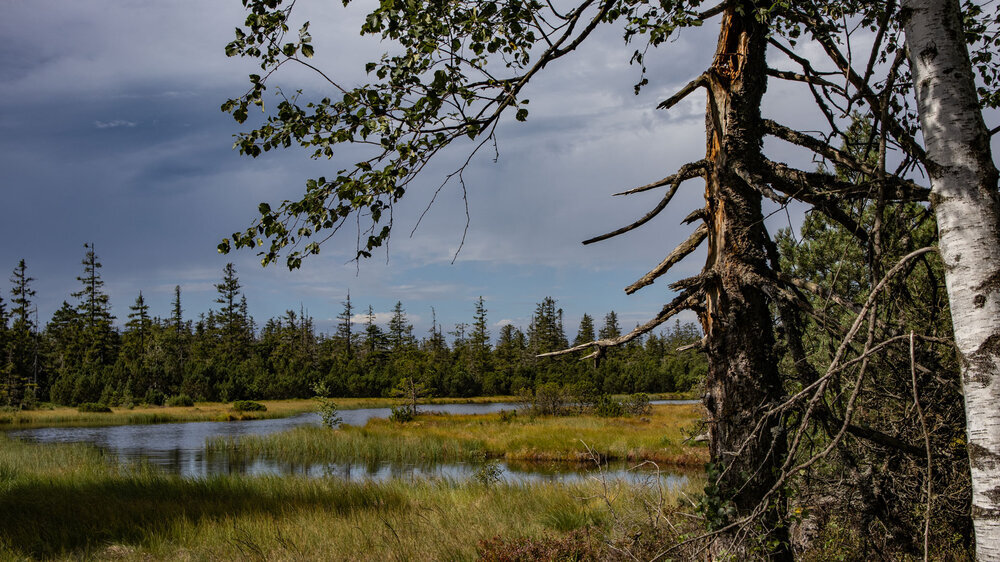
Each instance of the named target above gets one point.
<point>80,355</point>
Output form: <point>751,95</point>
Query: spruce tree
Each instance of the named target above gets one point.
<point>479,342</point>
<point>95,310</point>
<point>586,331</point>
<point>344,335</point>
<point>22,293</point>
<point>374,336</point>
<point>611,329</point>
<point>233,314</point>
<point>400,332</point>
<point>176,312</point>
<point>139,325</point>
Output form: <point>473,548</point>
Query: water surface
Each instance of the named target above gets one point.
<point>179,448</point>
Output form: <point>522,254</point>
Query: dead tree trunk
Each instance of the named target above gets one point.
<point>743,377</point>
<point>965,199</point>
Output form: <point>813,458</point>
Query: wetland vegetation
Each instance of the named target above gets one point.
<point>664,437</point>
<point>135,511</point>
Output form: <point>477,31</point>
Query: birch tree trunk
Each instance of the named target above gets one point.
<point>742,375</point>
<point>965,199</point>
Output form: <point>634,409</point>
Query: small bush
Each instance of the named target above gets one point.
<point>180,400</point>
<point>507,416</point>
<point>550,400</point>
<point>607,407</point>
<point>638,405</point>
<point>401,414</point>
<point>93,408</point>
<point>329,413</point>
<point>248,406</point>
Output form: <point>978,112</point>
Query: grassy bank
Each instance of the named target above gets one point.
<point>67,502</point>
<point>54,416</point>
<point>659,437</point>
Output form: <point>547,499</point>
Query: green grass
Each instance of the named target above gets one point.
<point>431,438</point>
<point>68,502</point>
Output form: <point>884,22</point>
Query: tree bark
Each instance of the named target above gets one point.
<point>742,377</point>
<point>965,199</point>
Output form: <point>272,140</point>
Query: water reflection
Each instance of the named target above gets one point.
<point>179,448</point>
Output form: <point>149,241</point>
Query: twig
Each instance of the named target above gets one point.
<point>927,443</point>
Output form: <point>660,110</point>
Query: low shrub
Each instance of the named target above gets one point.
<point>329,413</point>
<point>401,414</point>
<point>638,405</point>
<point>507,416</point>
<point>607,407</point>
<point>248,406</point>
<point>93,408</point>
<point>180,400</point>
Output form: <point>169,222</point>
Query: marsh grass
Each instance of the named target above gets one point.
<point>55,416</point>
<point>69,502</point>
<point>429,438</point>
<point>201,411</point>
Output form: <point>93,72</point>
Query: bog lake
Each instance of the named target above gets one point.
<point>180,448</point>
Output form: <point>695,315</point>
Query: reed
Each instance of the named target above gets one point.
<point>659,437</point>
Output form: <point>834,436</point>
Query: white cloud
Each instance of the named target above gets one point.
<point>114,124</point>
<point>380,318</point>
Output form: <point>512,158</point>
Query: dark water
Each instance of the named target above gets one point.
<point>179,448</point>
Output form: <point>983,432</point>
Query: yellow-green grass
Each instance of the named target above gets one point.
<point>659,437</point>
<point>202,411</point>
<point>54,416</point>
<point>67,502</point>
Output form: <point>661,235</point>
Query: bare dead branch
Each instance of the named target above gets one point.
<point>700,81</point>
<point>903,189</point>
<point>796,77</point>
<point>757,182</point>
<point>697,214</point>
<point>675,256</point>
<point>714,11</point>
<point>802,186</point>
<point>679,178</point>
<point>816,289</point>
<point>691,171</point>
<point>927,444</point>
<point>699,345</point>
<point>829,45</point>
<point>683,301</point>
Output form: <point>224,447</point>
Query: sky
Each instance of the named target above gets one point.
<point>111,134</point>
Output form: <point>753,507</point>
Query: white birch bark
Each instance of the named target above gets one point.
<point>965,199</point>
